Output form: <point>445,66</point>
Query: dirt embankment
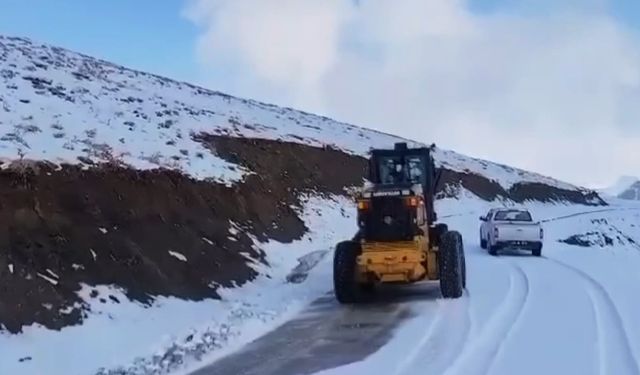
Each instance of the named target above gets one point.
<point>159,233</point>
<point>61,228</point>
<point>452,181</point>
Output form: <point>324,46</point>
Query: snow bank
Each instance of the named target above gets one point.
<point>119,335</point>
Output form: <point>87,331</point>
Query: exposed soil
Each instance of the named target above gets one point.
<point>452,181</point>
<point>283,171</point>
<point>60,228</point>
<point>64,227</point>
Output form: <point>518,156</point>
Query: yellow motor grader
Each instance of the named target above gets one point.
<point>398,240</point>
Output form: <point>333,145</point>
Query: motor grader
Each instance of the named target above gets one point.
<point>399,239</point>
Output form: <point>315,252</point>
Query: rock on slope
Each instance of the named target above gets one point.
<point>112,176</point>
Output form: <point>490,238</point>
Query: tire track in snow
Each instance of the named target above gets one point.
<point>478,355</point>
<point>558,331</point>
<point>602,370</point>
<point>614,346</point>
<point>450,329</point>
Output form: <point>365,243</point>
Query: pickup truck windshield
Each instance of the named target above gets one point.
<point>512,216</point>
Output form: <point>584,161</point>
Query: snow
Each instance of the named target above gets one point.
<point>564,308</point>
<point>178,255</point>
<point>576,304</point>
<point>48,278</point>
<point>277,299</point>
<point>110,324</point>
<point>173,332</point>
<point>572,311</point>
<point>504,175</point>
<point>52,273</point>
<point>84,110</point>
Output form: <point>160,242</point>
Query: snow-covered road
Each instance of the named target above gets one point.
<point>323,336</point>
<point>572,311</point>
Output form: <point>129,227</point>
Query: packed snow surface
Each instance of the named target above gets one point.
<point>572,311</point>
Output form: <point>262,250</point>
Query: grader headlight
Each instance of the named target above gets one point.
<point>363,204</point>
<point>412,201</point>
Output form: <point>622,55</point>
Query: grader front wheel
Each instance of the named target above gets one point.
<point>452,265</point>
<point>345,285</point>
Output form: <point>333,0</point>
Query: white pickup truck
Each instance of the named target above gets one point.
<point>504,228</point>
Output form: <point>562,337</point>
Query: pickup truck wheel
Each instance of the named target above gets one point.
<point>483,242</point>
<point>451,265</point>
<point>493,250</point>
<point>537,251</point>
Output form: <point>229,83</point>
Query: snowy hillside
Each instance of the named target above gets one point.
<point>65,107</point>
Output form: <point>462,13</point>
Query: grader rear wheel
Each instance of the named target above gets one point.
<point>452,265</point>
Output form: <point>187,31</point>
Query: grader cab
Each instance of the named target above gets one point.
<point>399,239</point>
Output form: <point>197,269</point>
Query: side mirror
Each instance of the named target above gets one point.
<point>482,218</point>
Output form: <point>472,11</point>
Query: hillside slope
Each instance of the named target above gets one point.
<point>66,107</point>
<point>161,189</point>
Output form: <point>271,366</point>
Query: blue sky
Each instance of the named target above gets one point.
<point>151,35</point>
<point>148,35</point>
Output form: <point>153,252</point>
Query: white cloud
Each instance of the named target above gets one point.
<point>287,46</point>
<point>554,92</point>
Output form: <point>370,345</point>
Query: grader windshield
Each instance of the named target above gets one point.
<point>402,166</point>
<point>398,170</point>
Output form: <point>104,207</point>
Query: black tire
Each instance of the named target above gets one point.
<point>437,231</point>
<point>493,250</point>
<point>345,287</point>
<point>483,242</point>
<point>537,251</point>
<point>441,229</point>
<point>464,270</point>
<point>450,263</point>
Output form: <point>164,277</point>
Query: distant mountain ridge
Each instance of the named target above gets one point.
<point>631,193</point>
<point>627,187</point>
